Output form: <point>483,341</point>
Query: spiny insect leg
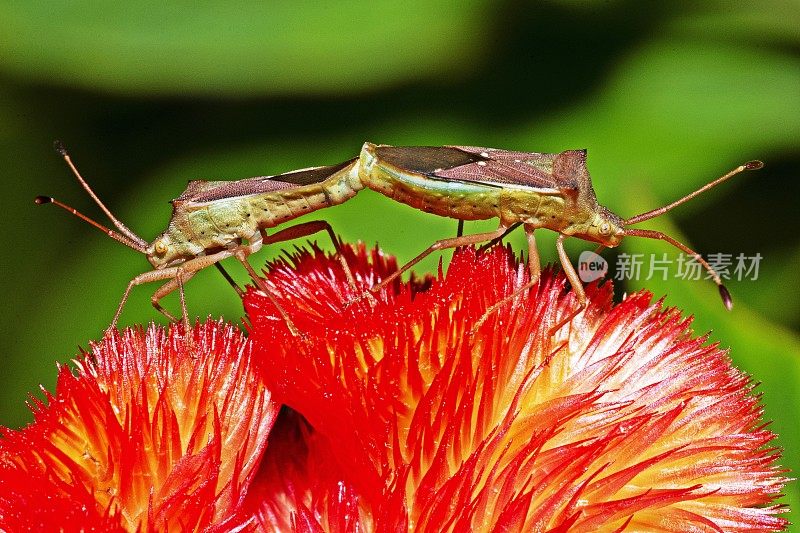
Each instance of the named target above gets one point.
<point>535,268</point>
<point>466,240</point>
<point>309,228</point>
<point>241,253</point>
<point>167,288</point>
<point>180,278</point>
<point>188,268</point>
<point>177,282</point>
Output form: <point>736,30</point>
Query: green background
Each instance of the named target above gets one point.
<point>147,96</point>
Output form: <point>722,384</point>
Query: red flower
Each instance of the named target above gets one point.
<point>410,413</point>
<point>156,431</point>
<point>426,419</point>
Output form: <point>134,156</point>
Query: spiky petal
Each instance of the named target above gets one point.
<point>156,431</point>
<point>442,419</point>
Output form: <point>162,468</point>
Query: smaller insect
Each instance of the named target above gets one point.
<point>536,190</point>
<point>214,220</point>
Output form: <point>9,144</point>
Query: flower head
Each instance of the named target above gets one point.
<point>157,430</point>
<point>418,411</point>
<point>433,416</point>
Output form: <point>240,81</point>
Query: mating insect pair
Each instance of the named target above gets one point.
<point>214,220</point>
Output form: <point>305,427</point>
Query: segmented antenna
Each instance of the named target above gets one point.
<point>124,239</point>
<point>650,234</point>
<point>123,229</point>
<point>750,165</point>
<point>124,235</point>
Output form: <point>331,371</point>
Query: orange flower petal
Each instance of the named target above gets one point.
<point>156,431</point>
<point>443,419</point>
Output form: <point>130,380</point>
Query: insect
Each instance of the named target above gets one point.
<point>536,190</point>
<point>214,220</point>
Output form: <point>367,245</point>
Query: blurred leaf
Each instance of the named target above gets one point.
<point>27,261</point>
<point>768,20</point>
<point>674,105</point>
<point>777,282</point>
<point>242,48</point>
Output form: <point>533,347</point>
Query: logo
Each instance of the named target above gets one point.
<point>591,266</point>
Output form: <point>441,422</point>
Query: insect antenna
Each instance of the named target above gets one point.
<point>727,300</point>
<point>123,229</point>
<point>650,234</point>
<point>750,165</point>
<point>124,239</point>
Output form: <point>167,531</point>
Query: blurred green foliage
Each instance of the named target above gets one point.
<point>148,95</point>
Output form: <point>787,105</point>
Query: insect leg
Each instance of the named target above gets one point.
<point>534,263</point>
<point>460,228</point>
<point>184,312</point>
<point>154,275</point>
<point>229,279</point>
<point>569,271</point>
<point>574,280</point>
<point>162,291</point>
<point>491,243</point>
<point>189,267</point>
<point>309,228</point>
<point>443,244</point>
<point>241,253</point>
<point>175,283</point>
<point>535,268</point>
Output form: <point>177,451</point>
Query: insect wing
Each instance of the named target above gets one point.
<point>209,191</point>
<point>527,169</point>
<point>312,175</point>
<point>197,187</point>
<point>427,160</point>
<point>476,166</point>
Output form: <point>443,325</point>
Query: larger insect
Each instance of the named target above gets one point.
<point>214,220</point>
<point>536,190</point>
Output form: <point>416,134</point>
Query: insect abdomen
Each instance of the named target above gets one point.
<point>222,217</point>
<point>273,208</point>
<point>452,198</point>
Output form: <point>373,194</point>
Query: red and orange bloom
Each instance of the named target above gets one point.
<point>155,432</point>
<point>416,412</point>
<point>435,420</point>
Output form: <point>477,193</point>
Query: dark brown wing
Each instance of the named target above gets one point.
<point>310,176</point>
<point>425,159</point>
<point>530,169</point>
<point>209,191</point>
<point>488,166</point>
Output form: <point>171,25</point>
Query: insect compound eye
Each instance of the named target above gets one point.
<point>160,247</point>
<point>605,228</point>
